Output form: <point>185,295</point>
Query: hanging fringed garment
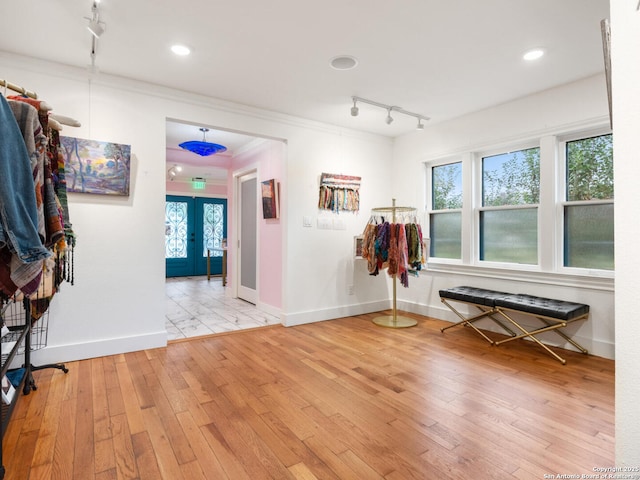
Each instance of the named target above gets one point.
<point>397,247</point>
<point>34,265</point>
<point>339,199</point>
<point>403,256</point>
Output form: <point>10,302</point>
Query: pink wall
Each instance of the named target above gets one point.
<point>269,158</point>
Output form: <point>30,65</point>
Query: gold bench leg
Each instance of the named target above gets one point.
<point>504,327</point>
<point>567,337</point>
<point>468,322</point>
<point>531,335</point>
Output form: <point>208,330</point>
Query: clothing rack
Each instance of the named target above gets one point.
<point>18,89</point>
<point>42,331</point>
<point>61,119</point>
<point>24,304</point>
<point>394,320</point>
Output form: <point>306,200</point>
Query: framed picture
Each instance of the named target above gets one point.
<point>91,166</point>
<point>270,200</point>
<point>357,246</point>
<point>8,391</point>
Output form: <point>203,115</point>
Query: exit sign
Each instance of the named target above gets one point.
<point>198,183</point>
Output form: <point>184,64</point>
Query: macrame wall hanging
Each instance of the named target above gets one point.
<point>339,193</point>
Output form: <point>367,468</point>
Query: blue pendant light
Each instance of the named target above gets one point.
<point>203,148</point>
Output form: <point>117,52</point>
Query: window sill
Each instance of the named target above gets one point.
<point>596,280</point>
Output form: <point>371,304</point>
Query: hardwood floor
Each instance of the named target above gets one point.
<point>341,399</point>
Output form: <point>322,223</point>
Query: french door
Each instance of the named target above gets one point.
<point>194,226</point>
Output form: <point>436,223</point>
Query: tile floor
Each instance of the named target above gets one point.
<point>197,306</point>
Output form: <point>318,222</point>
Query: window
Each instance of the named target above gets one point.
<point>509,213</point>
<point>546,206</point>
<point>588,210</point>
<point>445,223</point>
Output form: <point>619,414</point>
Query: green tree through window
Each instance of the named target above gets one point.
<point>588,214</point>
<point>446,222</point>
<point>511,178</point>
<point>590,168</point>
<point>447,186</point>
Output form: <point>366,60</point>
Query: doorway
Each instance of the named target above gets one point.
<point>245,154</point>
<point>195,232</point>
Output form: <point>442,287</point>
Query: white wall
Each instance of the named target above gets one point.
<point>117,303</point>
<point>319,265</point>
<point>576,106</point>
<point>625,42</point>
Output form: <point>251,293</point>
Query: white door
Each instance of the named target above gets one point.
<point>248,236</point>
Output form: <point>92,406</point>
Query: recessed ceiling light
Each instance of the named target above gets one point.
<point>533,54</point>
<point>180,50</point>
<point>344,62</point>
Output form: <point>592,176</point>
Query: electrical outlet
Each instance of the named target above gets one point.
<point>349,289</point>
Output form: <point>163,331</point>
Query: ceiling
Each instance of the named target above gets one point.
<point>440,59</point>
<point>213,168</point>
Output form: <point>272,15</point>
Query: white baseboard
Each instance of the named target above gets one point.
<point>114,346</point>
<point>302,318</point>
<point>101,348</point>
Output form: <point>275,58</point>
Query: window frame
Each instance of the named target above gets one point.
<point>550,267</point>
<point>429,204</point>
<point>479,207</point>
<point>561,186</point>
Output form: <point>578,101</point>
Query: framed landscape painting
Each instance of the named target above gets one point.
<point>92,166</point>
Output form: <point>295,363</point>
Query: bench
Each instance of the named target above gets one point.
<point>499,306</point>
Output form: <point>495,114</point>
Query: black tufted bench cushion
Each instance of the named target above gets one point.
<point>479,296</point>
<point>545,307</point>
<point>497,306</point>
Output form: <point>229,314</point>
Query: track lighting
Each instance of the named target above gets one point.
<point>354,109</point>
<point>96,27</point>
<point>173,171</point>
<point>389,109</point>
<point>389,118</point>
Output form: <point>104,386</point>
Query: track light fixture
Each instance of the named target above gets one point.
<point>173,171</point>
<point>95,27</point>
<point>389,109</point>
<point>354,109</point>
<point>389,118</point>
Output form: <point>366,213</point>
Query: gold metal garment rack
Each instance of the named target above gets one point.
<point>18,88</point>
<point>394,320</point>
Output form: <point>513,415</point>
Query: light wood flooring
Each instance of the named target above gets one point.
<point>341,399</point>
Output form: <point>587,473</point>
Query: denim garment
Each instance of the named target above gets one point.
<point>18,212</point>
